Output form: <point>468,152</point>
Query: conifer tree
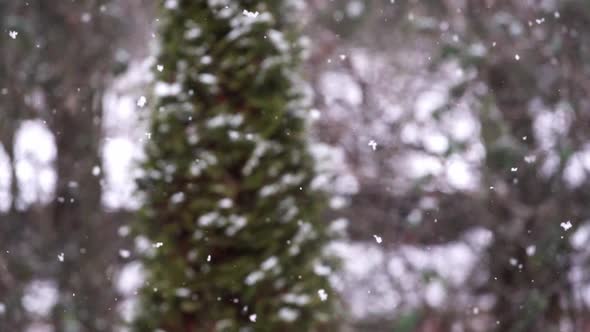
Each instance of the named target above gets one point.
<point>230,206</point>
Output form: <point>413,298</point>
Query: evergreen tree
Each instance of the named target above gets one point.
<point>229,203</point>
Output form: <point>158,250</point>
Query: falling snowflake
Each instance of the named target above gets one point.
<point>141,101</point>
<point>253,318</point>
<point>12,34</point>
<point>86,17</point>
<point>251,14</point>
<point>158,244</point>
<point>378,238</point>
<point>124,231</point>
<point>315,114</point>
<point>530,159</point>
<point>182,292</point>
<point>171,4</point>
<point>208,258</point>
<point>60,257</point>
<point>517,57</point>
<point>566,225</point>
<point>96,170</point>
<point>160,67</point>
<point>124,253</point>
<point>323,295</point>
<point>373,144</point>
<point>514,169</point>
<point>530,250</point>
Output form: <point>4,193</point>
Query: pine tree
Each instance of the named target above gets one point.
<point>230,206</point>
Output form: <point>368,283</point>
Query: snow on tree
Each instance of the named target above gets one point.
<point>228,177</point>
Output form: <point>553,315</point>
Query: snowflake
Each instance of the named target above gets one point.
<point>530,159</point>
<point>171,4</point>
<point>373,144</point>
<point>60,257</point>
<point>530,250</point>
<point>566,225</point>
<point>378,239</point>
<point>252,318</point>
<point>141,101</point>
<point>251,14</point>
<point>12,34</point>
<point>124,253</point>
<point>323,295</point>
<point>96,170</point>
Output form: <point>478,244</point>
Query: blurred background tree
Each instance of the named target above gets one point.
<point>506,68</point>
<point>57,61</point>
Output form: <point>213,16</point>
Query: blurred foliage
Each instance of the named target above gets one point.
<point>228,178</point>
<point>518,68</point>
